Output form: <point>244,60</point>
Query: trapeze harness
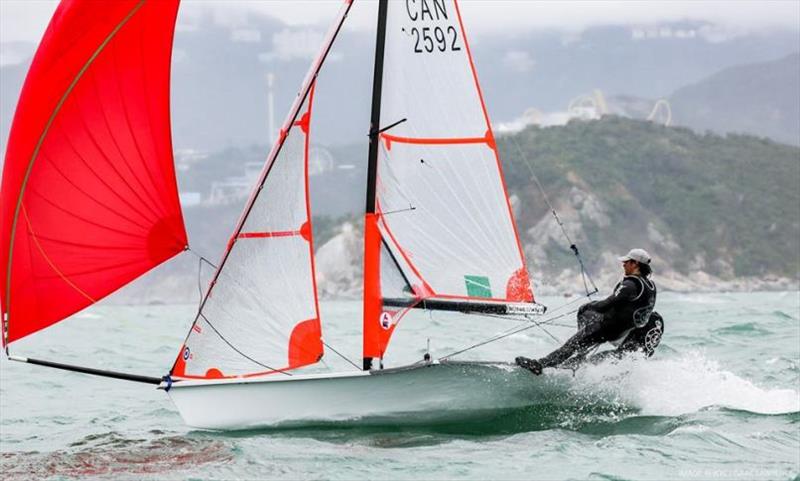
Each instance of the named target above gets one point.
<point>625,318</point>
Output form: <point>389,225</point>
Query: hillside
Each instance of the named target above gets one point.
<point>716,213</point>
<point>727,207</point>
<point>758,98</point>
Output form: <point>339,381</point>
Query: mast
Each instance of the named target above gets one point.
<point>371,274</point>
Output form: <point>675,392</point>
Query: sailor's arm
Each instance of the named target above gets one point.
<point>625,292</point>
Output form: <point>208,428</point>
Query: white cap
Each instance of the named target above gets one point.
<point>639,255</point>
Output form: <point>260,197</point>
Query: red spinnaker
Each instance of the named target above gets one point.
<point>89,197</point>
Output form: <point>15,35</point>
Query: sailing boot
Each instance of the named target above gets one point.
<point>531,365</point>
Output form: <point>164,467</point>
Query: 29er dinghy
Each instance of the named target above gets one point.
<point>90,203</point>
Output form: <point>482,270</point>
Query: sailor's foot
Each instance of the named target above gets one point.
<point>531,365</point>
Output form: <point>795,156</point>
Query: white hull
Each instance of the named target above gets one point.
<point>414,394</point>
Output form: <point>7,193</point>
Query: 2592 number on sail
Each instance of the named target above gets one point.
<point>435,39</point>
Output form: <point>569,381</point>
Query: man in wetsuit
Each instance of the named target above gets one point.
<point>611,319</point>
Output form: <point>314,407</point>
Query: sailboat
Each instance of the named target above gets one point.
<point>90,203</point>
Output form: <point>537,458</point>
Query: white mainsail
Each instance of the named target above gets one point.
<point>440,184</point>
<point>441,208</point>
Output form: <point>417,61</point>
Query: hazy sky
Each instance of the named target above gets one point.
<point>25,20</point>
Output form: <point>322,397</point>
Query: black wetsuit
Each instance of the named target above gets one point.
<point>628,308</point>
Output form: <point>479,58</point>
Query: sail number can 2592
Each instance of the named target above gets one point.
<point>431,29</point>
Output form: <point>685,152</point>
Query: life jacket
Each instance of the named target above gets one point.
<point>636,312</point>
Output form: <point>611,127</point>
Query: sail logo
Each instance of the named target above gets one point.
<point>186,354</point>
<point>478,286</point>
<point>386,320</point>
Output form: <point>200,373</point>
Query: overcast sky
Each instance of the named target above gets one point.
<point>25,20</point>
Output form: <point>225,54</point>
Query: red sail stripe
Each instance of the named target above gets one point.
<point>486,139</point>
<point>306,230</point>
<point>261,235</point>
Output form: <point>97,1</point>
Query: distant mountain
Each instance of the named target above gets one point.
<point>759,98</point>
<point>219,73</point>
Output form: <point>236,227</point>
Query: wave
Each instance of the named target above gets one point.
<point>684,384</point>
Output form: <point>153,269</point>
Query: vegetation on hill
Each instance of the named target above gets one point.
<point>729,206</point>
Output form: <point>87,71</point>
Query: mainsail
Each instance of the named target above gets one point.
<point>89,198</point>
<point>260,314</point>
<point>440,209</point>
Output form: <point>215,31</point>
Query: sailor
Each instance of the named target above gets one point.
<point>625,312</point>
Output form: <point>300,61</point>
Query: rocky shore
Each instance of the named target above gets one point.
<point>339,273</point>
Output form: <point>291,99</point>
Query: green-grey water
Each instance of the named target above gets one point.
<point>719,400</point>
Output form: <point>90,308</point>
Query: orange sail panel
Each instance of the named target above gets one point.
<point>385,278</point>
<point>89,197</point>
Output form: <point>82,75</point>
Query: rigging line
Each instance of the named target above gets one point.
<point>395,124</point>
<point>562,306</point>
<point>358,368</point>
<point>238,351</point>
<point>533,322</point>
<point>201,258</point>
<point>504,335</point>
<point>574,247</point>
<point>387,170</point>
<point>396,211</point>
<point>199,281</point>
<point>200,261</point>
<point>518,318</point>
<point>396,264</point>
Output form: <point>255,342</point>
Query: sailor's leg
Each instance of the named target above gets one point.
<point>586,338</point>
<point>581,341</point>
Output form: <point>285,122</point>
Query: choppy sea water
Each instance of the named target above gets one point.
<point>719,400</point>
